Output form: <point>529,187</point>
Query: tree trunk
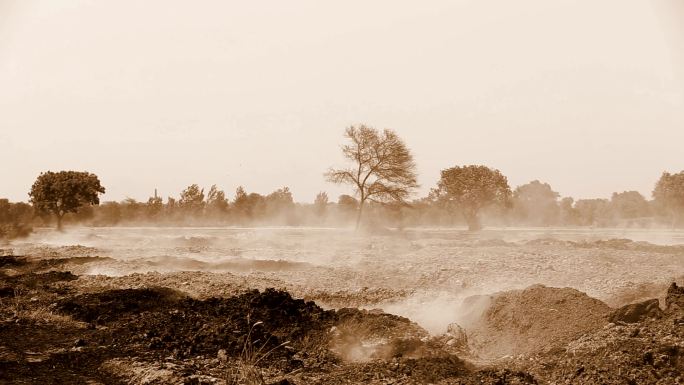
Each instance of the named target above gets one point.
<point>59,222</point>
<point>358,216</point>
<point>473,221</point>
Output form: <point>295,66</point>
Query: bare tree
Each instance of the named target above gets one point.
<point>383,169</point>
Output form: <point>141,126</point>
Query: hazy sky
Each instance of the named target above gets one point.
<point>584,95</point>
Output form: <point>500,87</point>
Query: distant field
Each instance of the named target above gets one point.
<point>423,274</point>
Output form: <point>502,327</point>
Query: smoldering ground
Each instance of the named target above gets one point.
<point>437,303</point>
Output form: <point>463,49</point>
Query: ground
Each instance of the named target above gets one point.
<point>323,306</point>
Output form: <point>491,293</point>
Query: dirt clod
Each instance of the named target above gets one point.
<point>636,312</point>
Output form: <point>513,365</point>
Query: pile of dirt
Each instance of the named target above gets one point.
<point>535,319</point>
<point>649,351</point>
<point>548,242</point>
<point>628,244</point>
<point>362,336</point>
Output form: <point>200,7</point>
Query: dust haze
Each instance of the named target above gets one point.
<point>361,193</point>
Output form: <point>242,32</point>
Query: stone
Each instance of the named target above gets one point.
<point>637,312</point>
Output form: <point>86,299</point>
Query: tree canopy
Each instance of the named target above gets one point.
<point>535,203</point>
<point>471,188</point>
<point>669,195</point>
<point>629,205</point>
<point>382,167</point>
<point>63,192</point>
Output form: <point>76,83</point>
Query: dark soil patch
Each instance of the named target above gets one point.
<point>11,261</point>
<point>12,285</point>
<point>115,304</point>
<point>56,262</point>
<point>160,323</point>
<point>38,353</point>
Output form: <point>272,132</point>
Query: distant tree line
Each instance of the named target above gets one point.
<point>381,172</point>
<point>534,204</point>
<point>16,219</point>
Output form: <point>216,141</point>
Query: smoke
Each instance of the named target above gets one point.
<point>432,277</point>
<point>435,311</point>
<point>431,310</point>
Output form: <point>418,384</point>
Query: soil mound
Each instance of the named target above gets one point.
<point>645,352</point>
<point>628,244</point>
<point>362,336</point>
<point>535,319</point>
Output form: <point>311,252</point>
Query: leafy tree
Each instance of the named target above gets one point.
<point>321,203</point>
<point>171,207</point>
<point>348,202</point>
<point>593,212</point>
<point>568,214</point>
<point>217,204</point>
<point>280,198</point>
<point>241,201</point>
<point>470,189</point>
<point>192,199</point>
<point>155,205</point>
<point>346,206</point>
<point>383,169</point>
<point>15,219</point>
<point>132,210</point>
<point>59,193</point>
<point>629,205</point>
<point>246,205</point>
<point>108,214</point>
<point>669,195</point>
<point>279,206</point>
<point>536,203</point>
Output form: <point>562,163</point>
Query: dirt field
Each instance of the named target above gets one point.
<point>169,305</point>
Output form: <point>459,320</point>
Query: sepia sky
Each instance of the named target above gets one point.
<point>585,95</point>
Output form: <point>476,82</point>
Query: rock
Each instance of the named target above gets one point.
<point>79,342</point>
<point>457,336</point>
<point>222,356</point>
<point>637,312</point>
